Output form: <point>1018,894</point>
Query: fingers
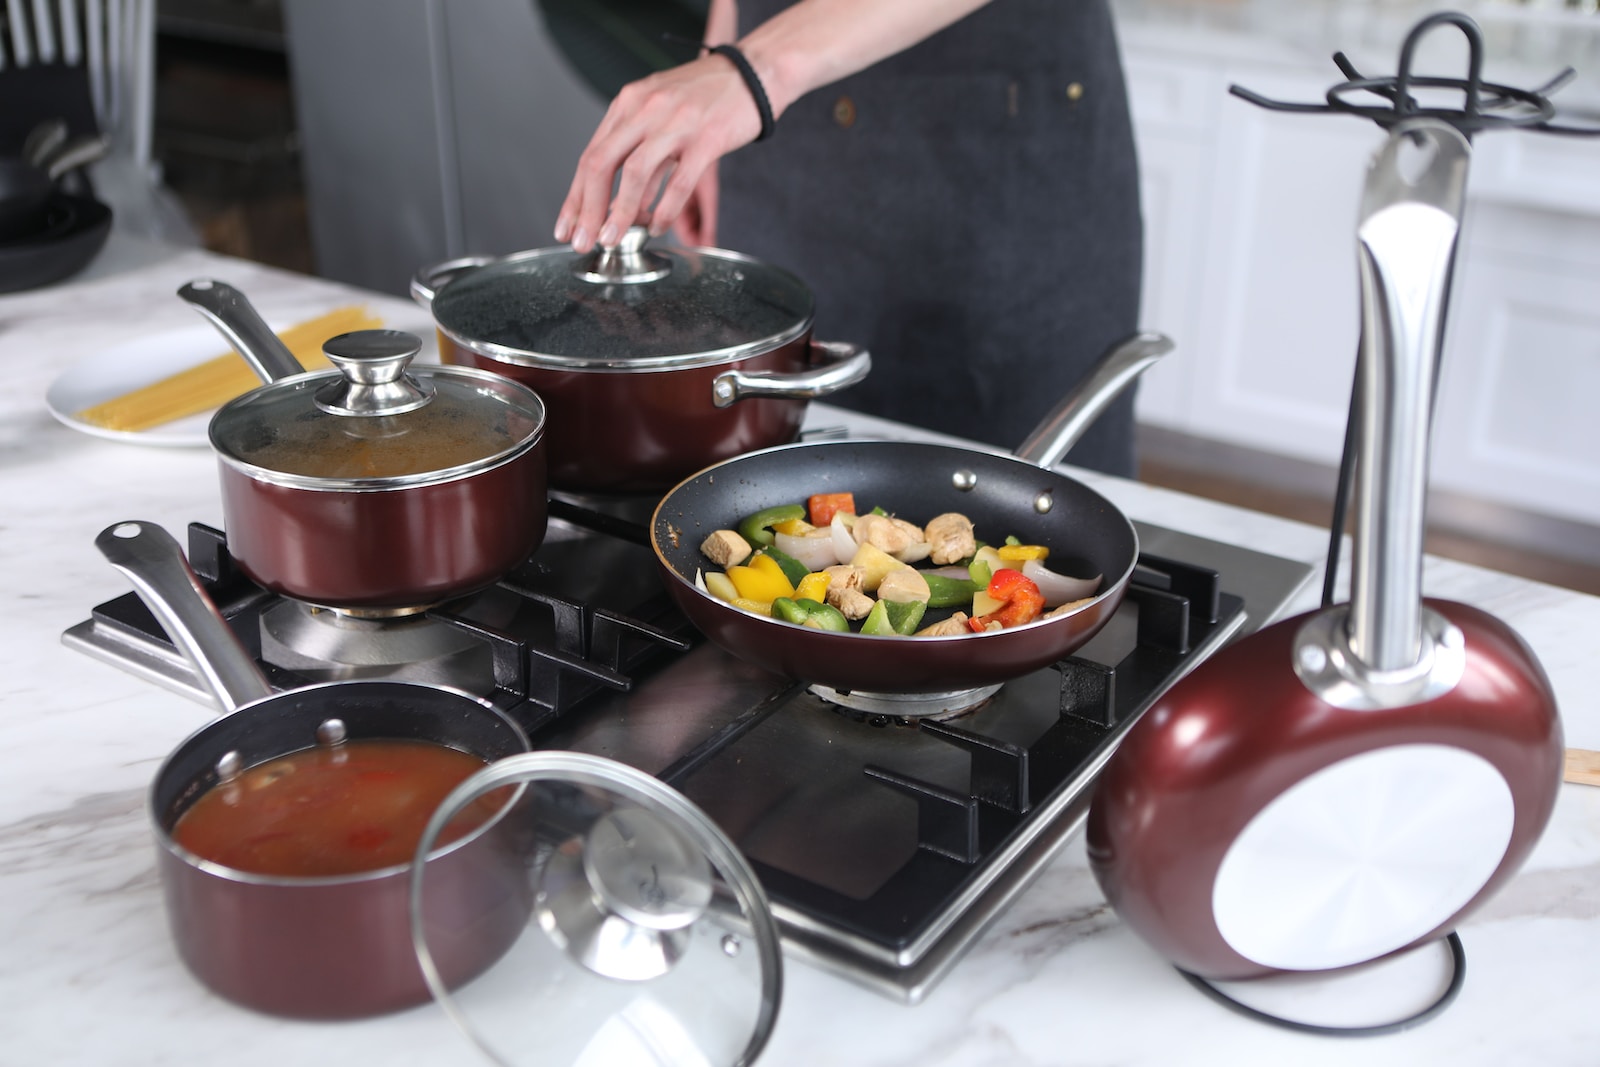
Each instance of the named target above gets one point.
<point>659,134</point>
<point>680,186</point>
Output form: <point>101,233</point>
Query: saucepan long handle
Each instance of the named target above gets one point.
<point>155,564</point>
<point>1115,371</point>
<point>244,328</point>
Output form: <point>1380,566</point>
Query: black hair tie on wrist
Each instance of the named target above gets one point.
<point>758,92</point>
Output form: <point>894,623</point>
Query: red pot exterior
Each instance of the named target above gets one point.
<point>641,431</point>
<point>343,950</point>
<point>1167,807</point>
<point>405,547</point>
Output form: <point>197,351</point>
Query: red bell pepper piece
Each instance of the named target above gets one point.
<point>1022,601</point>
<point>823,506</point>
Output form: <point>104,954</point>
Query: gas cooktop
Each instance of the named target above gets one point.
<point>886,844</point>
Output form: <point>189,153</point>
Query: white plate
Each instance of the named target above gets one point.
<point>115,371</point>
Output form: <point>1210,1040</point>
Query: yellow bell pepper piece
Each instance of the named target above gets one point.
<point>813,586</point>
<point>755,607</point>
<point>793,527</point>
<point>1018,553</point>
<point>762,580</point>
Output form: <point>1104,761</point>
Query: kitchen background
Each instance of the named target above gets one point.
<point>362,139</point>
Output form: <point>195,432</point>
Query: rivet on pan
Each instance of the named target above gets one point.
<point>1044,502</point>
<point>965,481</point>
<point>332,732</point>
<point>229,766</point>
<point>731,945</point>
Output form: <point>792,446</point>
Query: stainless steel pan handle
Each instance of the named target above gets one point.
<point>166,583</point>
<point>1408,230</point>
<point>1106,380</point>
<point>244,328</point>
<point>843,365</point>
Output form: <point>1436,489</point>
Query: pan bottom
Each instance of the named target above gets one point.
<point>909,705</point>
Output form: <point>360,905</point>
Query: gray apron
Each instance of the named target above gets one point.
<point>969,210</point>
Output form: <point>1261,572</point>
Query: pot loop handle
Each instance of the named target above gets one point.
<point>843,364</point>
<point>426,283</point>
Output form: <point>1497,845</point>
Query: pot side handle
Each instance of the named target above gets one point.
<point>843,364</point>
<point>427,282</point>
<point>154,562</point>
<point>1116,370</point>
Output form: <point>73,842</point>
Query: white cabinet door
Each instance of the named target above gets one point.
<point>1517,420</point>
<point>1281,322</point>
<point>1174,108</point>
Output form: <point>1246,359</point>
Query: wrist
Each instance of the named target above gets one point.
<point>775,73</point>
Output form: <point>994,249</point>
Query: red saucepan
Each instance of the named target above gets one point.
<point>1354,781</point>
<point>324,947</point>
<point>1002,494</point>
<point>654,362</point>
<point>373,488</point>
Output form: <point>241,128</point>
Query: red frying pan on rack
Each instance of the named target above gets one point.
<point>1354,781</point>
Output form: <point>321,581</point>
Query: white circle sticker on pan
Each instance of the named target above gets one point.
<point>1363,857</point>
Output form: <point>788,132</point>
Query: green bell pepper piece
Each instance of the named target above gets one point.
<point>951,592</point>
<point>792,568</point>
<point>894,618</point>
<point>812,613</point>
<point>757,528</point>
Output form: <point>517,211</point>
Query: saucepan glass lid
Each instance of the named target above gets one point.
<point>647,938</point>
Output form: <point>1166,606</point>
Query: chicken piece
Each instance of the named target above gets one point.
<point>725,548</point>
<point>890,534</point>
<point>1068,608</point>
<point>951,538</point>
<point>954,626</point>
<point>904,584</point>
<point>845,593</point>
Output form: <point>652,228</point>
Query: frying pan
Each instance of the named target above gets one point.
<point>1352,782</point>
<point>1002,494</point>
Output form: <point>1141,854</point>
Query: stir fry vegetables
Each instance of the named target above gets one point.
<point>823,565</point>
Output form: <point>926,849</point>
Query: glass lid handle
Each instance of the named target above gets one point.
<point>373,378</point>
<point>623,905</point>
<point>627,264</point>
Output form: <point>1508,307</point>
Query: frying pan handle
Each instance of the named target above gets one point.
<point>238,321</point>
<point>843,364</point>
<point>1115,371</point>
<point>427,282</point>
<point>166,583</point>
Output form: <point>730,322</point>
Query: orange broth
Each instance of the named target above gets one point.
<point>330,810</point>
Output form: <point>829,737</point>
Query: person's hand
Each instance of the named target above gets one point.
<point>662,133</point>
<point>696,225</point>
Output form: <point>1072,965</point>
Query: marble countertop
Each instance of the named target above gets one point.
<point>88,974</point>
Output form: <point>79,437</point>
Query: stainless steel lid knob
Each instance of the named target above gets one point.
<point>373,378</point>
<point>623,903</point>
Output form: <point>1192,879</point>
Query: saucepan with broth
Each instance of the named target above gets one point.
<point>286,828</point>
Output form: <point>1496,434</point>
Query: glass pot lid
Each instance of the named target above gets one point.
<point>647,938</point>
<point>377,421</point>
<point>629,308</point>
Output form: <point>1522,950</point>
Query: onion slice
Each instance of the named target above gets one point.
<point>844,542</point>
<point>817,551</point>
<point>1058,588</point>
<point>914,553</point>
